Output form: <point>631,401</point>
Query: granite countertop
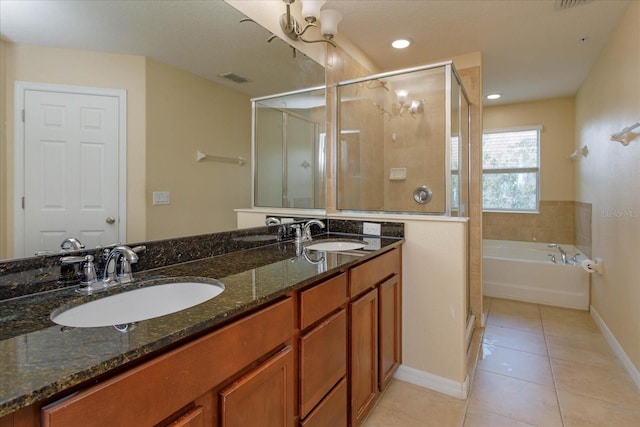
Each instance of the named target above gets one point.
<point>40,360</point>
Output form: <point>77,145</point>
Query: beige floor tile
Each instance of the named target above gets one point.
<point>581,411</point>
<point>611,385</point>
<point>513,320</point>
<point>566,322</point>
<point>517,399</point>
<point>476,418</point>
<point>516,339</point>
<point>384,417</point>
<point>592,351</point>
<point>517,364</point>
<point>516,308</point>
<point>428,407</point>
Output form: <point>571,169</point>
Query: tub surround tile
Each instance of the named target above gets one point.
<point>556,222</point>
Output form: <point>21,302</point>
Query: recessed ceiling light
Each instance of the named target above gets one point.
<point>494,96</point>
<point>401,43</point>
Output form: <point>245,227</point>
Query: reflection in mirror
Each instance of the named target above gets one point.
<point>395,140</point>
<point>289,147</point>
<point>176,102</point>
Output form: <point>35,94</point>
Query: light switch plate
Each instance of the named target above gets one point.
<point>371,229</point>
<point>398,174</point>
<point>161,198</point>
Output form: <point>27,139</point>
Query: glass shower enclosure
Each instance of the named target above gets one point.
<point>403,142</point>
<point>289,149</point>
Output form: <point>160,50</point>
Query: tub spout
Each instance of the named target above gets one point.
<point>563,253</point>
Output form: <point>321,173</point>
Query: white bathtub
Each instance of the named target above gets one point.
<point>523,271</point>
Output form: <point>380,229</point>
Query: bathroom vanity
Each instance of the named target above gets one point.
<point>292,340</point>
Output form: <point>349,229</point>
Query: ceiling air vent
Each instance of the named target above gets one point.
<point>234,77</point>
<point>566,4</point>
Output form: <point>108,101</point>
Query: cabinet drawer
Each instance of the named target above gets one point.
<point>263,397</point>
<point>369,274</point>
<point>322,299</point>
<point>147,394</point>
<point>323,360</point>
<point>332,411</point>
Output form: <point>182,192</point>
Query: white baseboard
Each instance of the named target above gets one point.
<point>437,383</point>
<point>616,347</point>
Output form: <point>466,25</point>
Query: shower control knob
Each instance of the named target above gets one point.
<point>422,194</point>
<point>110,220</point>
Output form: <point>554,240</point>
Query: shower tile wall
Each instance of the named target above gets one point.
<point>558,221</point>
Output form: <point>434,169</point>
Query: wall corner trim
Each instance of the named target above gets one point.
<point>616,347</point>
<point>459,390</point>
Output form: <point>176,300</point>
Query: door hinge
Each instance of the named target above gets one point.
<point>23,202</point>
<point>23,114</point>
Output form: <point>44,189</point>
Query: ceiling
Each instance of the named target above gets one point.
<point>531,49</point>
<point>204,37</point>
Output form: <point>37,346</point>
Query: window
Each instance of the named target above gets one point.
<point>510,169</point>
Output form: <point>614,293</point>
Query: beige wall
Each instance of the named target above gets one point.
<point>78,68</point>
<point>185,114</point>
<point>555,221</point>
<point>557,139</point>
<point>609,178</point>
<point>434,305</point>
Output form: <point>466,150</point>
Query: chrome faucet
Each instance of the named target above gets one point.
<point>117,267</point>
<point>272,221</point>
<point>71,244</point>
<point>306,229</point>
<point>563,254</point>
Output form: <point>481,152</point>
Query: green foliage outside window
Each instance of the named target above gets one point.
<point>510,163</point>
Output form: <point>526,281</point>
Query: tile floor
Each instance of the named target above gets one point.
<point>538,366</point>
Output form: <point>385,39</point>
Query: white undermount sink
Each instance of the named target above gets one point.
<point>137,305</point>
<point>336,246</point>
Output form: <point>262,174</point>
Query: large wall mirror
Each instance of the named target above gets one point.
<point>181,66</point>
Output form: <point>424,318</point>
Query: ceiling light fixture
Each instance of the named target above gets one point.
<point>313,15</point>
<point>494,96</point>
<point>401,43</point>
<point>404,105</point>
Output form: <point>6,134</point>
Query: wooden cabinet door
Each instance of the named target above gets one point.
<point>263,397</point>
<point>332,411</point>
<point>323,360</point>
<point>389,310</point>
<point>364,356</point>
<point>193,418</point>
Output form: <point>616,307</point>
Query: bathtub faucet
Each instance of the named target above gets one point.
<point>563,254</point>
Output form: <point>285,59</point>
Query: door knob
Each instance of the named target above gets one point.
<point>110,220</point>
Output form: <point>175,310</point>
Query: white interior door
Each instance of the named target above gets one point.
<point>71,169</point>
